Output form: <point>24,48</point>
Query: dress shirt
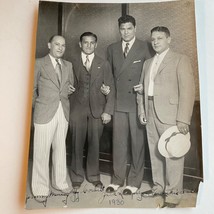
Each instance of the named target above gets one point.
<point>130,44</point>
<point>158,58</point>
<point>90,57</point>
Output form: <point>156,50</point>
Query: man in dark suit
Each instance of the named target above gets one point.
<point>169,91</point>
<point>126,58</point>
<point>53,80</point>
<point>90,110</point>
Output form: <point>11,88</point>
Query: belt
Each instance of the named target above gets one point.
<point>150,97</point>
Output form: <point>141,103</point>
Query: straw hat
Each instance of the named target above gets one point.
<point>172,143</point>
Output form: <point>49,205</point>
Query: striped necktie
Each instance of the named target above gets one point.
<point>58,71</point>
<point>87,63</point>
<point>126,50</point>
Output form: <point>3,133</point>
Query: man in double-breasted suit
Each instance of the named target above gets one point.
<point>53,80</point>
<point>168,90</point>
<point>126,58</point>
<point>90,109</point>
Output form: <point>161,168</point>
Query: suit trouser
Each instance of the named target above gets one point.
<point>45,135</point>
<point>167,173</point>
<point>128,133</point>
<point>82,125</point>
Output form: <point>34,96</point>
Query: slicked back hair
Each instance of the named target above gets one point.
<point>125,19</point>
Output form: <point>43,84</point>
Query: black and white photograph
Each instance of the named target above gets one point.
<point>116,112</point>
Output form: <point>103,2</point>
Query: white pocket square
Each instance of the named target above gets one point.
<point>98,67</point>
<point>136,61</point>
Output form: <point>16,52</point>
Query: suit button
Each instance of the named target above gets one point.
<point>118,79</point>
<point>129,92</point>
<point>130,80</point>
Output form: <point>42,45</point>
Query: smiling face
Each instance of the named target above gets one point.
<point>57,47</point>
<point>127,31</point>
<point>88,44</point>
<point>160,42</point>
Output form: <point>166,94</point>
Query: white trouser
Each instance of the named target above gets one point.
<point>53,133</point>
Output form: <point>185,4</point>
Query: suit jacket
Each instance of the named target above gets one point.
<point>127,72</point>
<point>174,89</point>
<point>100,73</point>
<point>47,93</point>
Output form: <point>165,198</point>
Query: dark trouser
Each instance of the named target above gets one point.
<point>83,124</point>
<point>126,127</point>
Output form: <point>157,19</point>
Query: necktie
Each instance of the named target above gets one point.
<point>58,71</point>
<point>87,63</point>
<point>126,50</point>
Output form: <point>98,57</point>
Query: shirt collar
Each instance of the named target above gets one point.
<point>53,60</point>
<point>130,43</point>
<point>90,57</point>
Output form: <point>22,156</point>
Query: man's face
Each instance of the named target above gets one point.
<point>127,31</point>
<point>57,47</point>
<point>160,42</point>
<point>88,44</point>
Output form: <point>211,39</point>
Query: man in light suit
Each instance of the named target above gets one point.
<point>90,110</point>
<point>168,90</point>
<point>53,80</point>
<point>126,58</point>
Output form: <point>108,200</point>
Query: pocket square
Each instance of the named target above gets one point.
<point>98,67</point>
<point>137,61</point>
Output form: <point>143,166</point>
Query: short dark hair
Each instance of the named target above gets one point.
<point>161,29</point>
<point>88,34</point>
<point>125,19</point>
<point>52,37</point>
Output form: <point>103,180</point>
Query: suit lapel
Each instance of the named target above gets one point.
<point>95,69</point>
<point>165,61</point>
<point>64,73</point>
<point>50,70</point>
<point>131,55</point>
<point>147,74</point>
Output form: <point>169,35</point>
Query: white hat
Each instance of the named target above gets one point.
<point>172,143</point>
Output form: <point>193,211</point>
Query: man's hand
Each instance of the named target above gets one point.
<point>183,127</point>
<point>138,88</point>
<point>142,119</point>
<point>105,89</point>
<point>106,118</point>
<point>71,89</point>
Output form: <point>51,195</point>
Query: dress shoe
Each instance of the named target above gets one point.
<point>66,191</point>
<point>112,188</point>
<point>41,199</point>
<point>169,205</point>
<point>150,193</point>
<point>76,185</point>
<point>98,185</point>
<point>127,192</point>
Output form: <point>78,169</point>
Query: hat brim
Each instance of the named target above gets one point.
<point>163,147</point>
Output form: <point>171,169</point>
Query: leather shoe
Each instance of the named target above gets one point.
<point>41,199</point>
<point>76,185</point>
<point>169,205</point>
<point>150,193</point>
<point>98,185</point>
<point>127,192</point>
<point>110,189</point>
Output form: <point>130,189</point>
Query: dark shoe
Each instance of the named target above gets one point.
<point>169,205</point>
<point>150,193</point>
<point>76,185</point>
<point>98,185</point>
<point>127,192</point>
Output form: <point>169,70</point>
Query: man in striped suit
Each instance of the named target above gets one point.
<point>53,80</point>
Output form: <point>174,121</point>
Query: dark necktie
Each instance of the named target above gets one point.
<point>87,63</point>
<point>126,50</point>
<point>58,71</point>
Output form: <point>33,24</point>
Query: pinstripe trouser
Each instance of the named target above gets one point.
<point>53,133</point>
